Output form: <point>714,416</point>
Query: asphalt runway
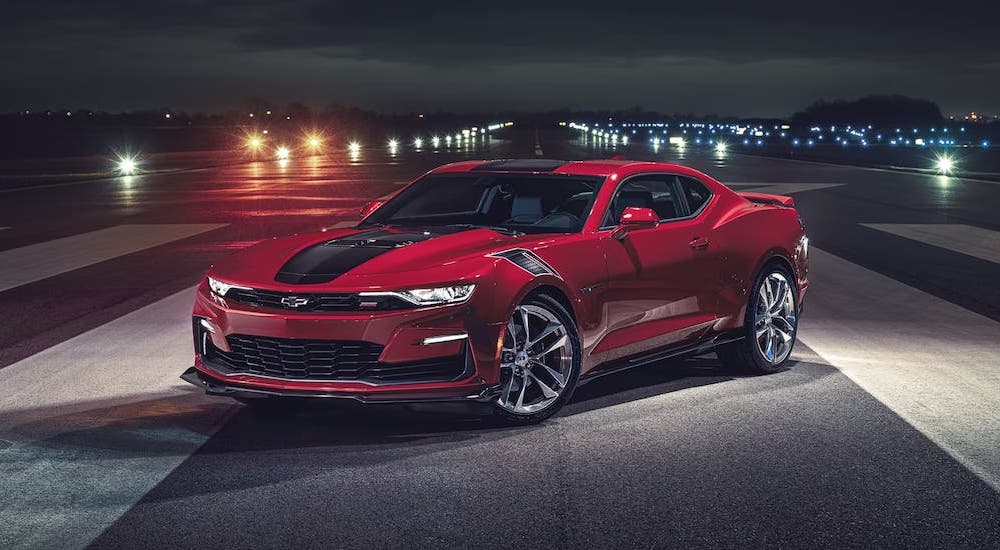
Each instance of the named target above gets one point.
<point>882,433</point>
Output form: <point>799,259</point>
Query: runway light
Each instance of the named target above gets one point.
<point>354,147</point>
<point>435,141</point>
<point>393,145</point>
<point>254,142</point>
<point>418,143</point>
<point>127,165</point>
<point>944,164</point>
<point>313,141</point>
<point>721,147</point>
<point>282,153</point>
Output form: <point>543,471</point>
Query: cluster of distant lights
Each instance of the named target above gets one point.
<point>715,136</point>
<point>315,143</point>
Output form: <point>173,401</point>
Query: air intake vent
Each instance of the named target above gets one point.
<point>526,260</point>
<point>325,360</point>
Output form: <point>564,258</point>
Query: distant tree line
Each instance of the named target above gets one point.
<point>880,110</point>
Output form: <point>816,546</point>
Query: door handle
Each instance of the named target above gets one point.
<point>699,243</point>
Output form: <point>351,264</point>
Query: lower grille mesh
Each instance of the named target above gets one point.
<point>325,360</point>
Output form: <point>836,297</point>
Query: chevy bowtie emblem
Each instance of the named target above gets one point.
<point>294,301</point>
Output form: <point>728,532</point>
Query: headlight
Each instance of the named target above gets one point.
<point>222,288</point>
<point>431,296</point>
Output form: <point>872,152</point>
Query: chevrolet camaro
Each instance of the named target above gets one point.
<point>508,283</point>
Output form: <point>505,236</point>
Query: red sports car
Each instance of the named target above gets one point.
<point>510,283</point>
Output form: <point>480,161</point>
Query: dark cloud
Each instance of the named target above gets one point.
<point>661,54</point>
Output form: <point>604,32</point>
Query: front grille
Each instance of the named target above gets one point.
<point>325,360</point>
<point>315,302</point>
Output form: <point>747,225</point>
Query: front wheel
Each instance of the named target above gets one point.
<point>770,327</point>
<point>539,361</point>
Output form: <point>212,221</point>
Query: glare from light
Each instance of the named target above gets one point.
<point>435,141</point>
<point>313,141</point>
<point>944,164</point>
<point>354,147</point>
<point>254,142</point>
<point>721,147</point>
<point>127,165</point>
<point>418,143</point>
<point>393,144</point>
<point>624,140</point>
<point>282,153</point>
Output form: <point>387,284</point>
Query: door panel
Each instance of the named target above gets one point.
<point>662,284</point>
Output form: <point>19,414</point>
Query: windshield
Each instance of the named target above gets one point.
<point>530,203</point>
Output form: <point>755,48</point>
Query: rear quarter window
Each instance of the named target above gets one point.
<point>696,193</point>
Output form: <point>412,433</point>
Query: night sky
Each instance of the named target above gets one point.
<point>702,56</point>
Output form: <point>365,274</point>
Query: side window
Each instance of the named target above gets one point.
<point>656,192</point>
<point>695,192</point>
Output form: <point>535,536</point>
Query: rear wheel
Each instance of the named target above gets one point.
<point>539,361</point>
<point>770,327</point>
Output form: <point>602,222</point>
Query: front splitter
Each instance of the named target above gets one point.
<point>214,386</point>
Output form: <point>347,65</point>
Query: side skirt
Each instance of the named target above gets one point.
<point>697,348</point>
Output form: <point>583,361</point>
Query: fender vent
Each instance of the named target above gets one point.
<point>526,260</point>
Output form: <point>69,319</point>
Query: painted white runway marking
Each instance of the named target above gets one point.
<point>965,239</point>
<point>933,363</point>
<point>27,264</point>
<point>95,423</point>
<point>782,188</point>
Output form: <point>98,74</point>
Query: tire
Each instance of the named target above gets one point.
<point>529,380</point>
<point>751,354</point>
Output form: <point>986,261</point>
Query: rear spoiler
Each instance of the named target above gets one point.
<point>766,198</point>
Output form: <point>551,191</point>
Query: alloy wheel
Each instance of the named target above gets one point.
<point>536,360</point>
<point>775,318</point>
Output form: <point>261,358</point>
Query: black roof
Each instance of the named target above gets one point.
<point>520,165</point>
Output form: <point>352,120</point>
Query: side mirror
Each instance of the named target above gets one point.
<point>634,218</point>
<point>370,207</point>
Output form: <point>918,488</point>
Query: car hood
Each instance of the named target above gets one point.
<point>329,258</point>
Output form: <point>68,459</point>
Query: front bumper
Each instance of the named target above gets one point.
<point>400,334</point>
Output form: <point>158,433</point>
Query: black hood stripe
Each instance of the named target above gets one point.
<point>324,262</point>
